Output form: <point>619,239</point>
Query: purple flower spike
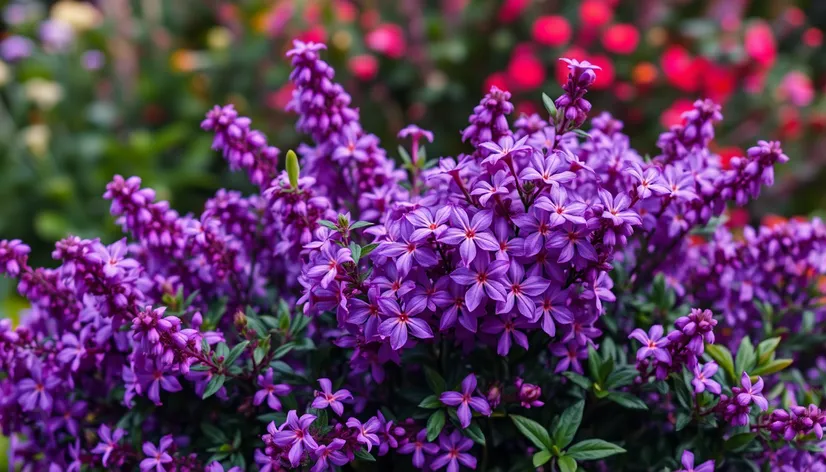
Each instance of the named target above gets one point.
<point>465,401</point>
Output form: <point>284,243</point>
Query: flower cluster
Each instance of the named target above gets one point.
<point>437,316</point>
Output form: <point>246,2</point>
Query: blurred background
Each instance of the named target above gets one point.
<point>91,89</point>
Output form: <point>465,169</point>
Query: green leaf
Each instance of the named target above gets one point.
<point>594,364</point>
<point>684,396</point>
<point>222,350</point>
<point>364,455</point>
<point>549,105</point>
<point>475,432</point>
<point>430,402</point>
<point>328,224</point>
<point>368,248</point>
<point>683,419</point>
<point>236,352</point>
<point>283,350</point>
<point>722,356</point>
<point>745,359</point>
<point>435,424</point>
<point>772,367</point>
<point>578,379</point>
<point>360,224</point>
<point>582,133</point>
<point>355,251</point>
<point>404,155</point>
<point>258,354</point>
<point>292,168</point>
<point>567,464</point>
<point>534,431</point>
<point>627,400</point>
<point>739,441</point>
<point>541,458</point>
<point>434,380</point>
<point>593,449</point>
<point>766,348</point>
<point>621,377</point>
<point>568,424</point>
<point>215,434</point>
<point>215,384</point>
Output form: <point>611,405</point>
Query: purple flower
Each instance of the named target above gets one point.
<point>653,344</point>
<point>465,401</point>
<point>553,307</point>
<point>499,186</point>
<point>648,181</point>
<point>752,393</point>
<point>295,434</point>
<point>529,394</point>
<point>269,390</point>
<point>551,170</point>
<point>702,378</point>
<point>484,280</point>
<point>573,241</point>
<point>415,133</point>
<point>154,379</point>
<point>419,447</point>
<point>156,457</point>
<point>404,252</point>
<point>426,224</point>
<point>327,267</point>
<point>506,148</point>
<point>108,442</point>
<point>326,397</point>
<point>455,447</point>
<point>400,321</point>
<point>507,327</point>
<point>570,354</point>
<point>561,211</point>
<point>330,453</point>
<point>34,391</point>
<point>521,291</point>
<point>366,433</point>
<point>687,461</point>
<point>471,234</point>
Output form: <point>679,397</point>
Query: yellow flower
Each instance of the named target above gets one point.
<point>218,38</point>
<point>81,16</point>
<point>44,93</point>
<point>183,60</point>
<point>36,138</point>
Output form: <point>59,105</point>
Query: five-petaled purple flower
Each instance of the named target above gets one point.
<point>269,390</point>
<point>156,457</point>
<point>326,397</point>
<point>465,401</point>
<point>653,344</point>
<point>455,447</point>
<point>295,433</point>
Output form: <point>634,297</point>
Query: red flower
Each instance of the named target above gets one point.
<point>511,9</point>
<point>737,218</point>
<point>497,79</point>
<point>727,153</point>
<point>673,115</point>
<point>813,37</point>
<point>278,99</point>
<point>551,30</point>
<point>644,73</point>
<point>595,13</point>
<point>795,16</point>
<point>720,82</point>
<point>791,125</point>
<point>345,11</point>
<point>316,34</point>
<point>526,72</point>
<point>364,67</point>
<point>605,77</point>
<point>387,39</point>
<point>526,107</point>
<point>621,38</point>
<point>760,44</point>
<point>681,69</point>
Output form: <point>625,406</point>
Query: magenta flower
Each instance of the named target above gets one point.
<point>366,433</point>
<point>400,321</point>
<point>702,378</point>
<point>108,442</point>
<point>269,390</point>
<point>471,235</point>
<point>465,401</point>
<point>326,397</point>
<point>333,257</point>
<point>455,449</point>
<point>329,454</point>
<point>156,457</point>
<point>295,433</point>
<point>687,460</point>
<point>653,344</point>
<point>419,447</point>
<point>752,393</point>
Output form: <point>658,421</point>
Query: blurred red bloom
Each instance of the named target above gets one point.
<point>795,16</point>
<point>316,34</point>
<point>595,13</point>
<point>497,79</point>
<point>720,81</point>
<point>526,72</point>
<point>737,218</point>
<point>644,73</point>
<point>526,107</point>
<point>605,77</point>
<point>512,9</point>
<point>278,99</point>
<point>624,91</point>
<point>387,39</point>
<point>813,37</point>
<point>797,88</point>
<point>621,38</point>
<point>345,11</point>
<point>370,19</point>
<point>551,30</point>
<point>727,153</point>
<point>681,69</point>
<point>791,124</point>
<point>760,44</point>
<point>364,66</point>
<point>673,114</point>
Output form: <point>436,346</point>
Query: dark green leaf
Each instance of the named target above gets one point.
<point>368,248</point>
<point>550,106</point>
<point>430,402</point>
<point>283,350</point>
<point>594,364</point>
<point>328,224</point>
<point>745,359</point>
<point>739,441</point>
<point>627,400</point>
<point>621,377</point>
<point>360,224</point>
<point>355,252</point>
<point>567,464</point>
<point>684,396</point>
<point>215,384</point>
<point>578,379</point>
<point>435,424</point>
<point>593,449</point>
<point>361,454</point>
<point>534,431</point>
<point>568,424</point>
<point>236,352</point>
<point>434,380</point>
<point>215,434</point>
<point>582,133</point>
<point>723,358</point>
<point>475,432</point>
<point>766,348</point>
<point>772,367</point>
<point>259,354</point>
<point>683,419</point>
<point>222,350</point>
<point>404,155</point>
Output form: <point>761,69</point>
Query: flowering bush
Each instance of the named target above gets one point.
<point>551,299</point>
